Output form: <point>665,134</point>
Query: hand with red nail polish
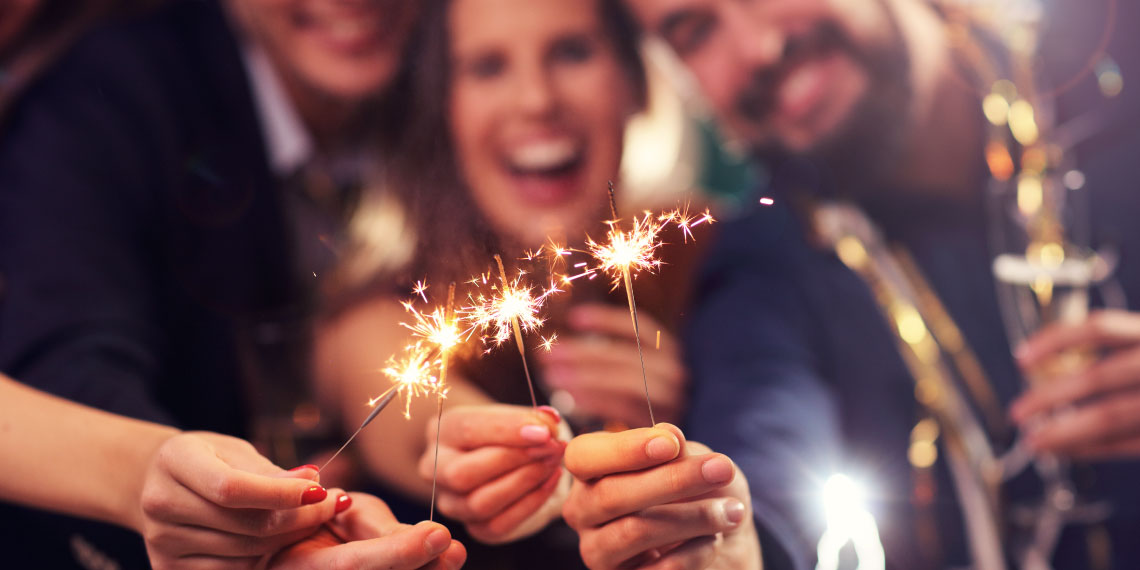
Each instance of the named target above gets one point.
<point>215,497</point>
<point>500,468</point>
<point>646,497</point>
<point>368,537</point>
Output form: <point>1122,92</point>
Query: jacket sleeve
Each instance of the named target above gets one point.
<point>758,396</point>
<point>78,313</point>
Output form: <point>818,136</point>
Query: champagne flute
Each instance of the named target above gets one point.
<point>1044,270</point>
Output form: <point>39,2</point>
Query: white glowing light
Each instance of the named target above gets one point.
<point>848,521</point>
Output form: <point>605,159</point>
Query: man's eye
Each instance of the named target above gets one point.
<point>690,34</point>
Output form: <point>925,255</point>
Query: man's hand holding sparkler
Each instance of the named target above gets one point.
<point>500,468</point>
<point>214,500</point>
<point>600,367</point>
<point>646,498</point>
<point>1089,405</point>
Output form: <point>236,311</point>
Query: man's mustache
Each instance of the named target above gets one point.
<point>758,100</point>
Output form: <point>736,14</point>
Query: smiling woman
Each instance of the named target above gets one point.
<point>514,121</point>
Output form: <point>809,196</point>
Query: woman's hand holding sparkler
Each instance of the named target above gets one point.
<point>1088,373</point>
<point>500,468</point>
<point>213,501</point>
<point>375,541</point>
<point>601,369</point>
<point>646,498</point>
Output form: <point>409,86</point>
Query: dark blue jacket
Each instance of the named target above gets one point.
<point>142,242</point>
<point>796,374</point>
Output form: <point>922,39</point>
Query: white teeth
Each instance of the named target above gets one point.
<point>544,155</point>
<point>347,29</point>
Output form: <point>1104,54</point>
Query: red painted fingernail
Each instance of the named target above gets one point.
<point>553,413</point>
<point>304,467</point>
<point>343,502</point>
<point>314,494</point>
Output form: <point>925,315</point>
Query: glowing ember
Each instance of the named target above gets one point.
<point>413,374</point>
<point>509,303</point>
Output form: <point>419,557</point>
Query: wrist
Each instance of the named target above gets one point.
<point>140,454</point>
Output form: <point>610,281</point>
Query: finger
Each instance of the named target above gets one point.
<point>592,504</point>
<point>606,351</point>
<point>594,455</point>
<point>1115,372</point>
<point>368,518</point>
<point>471,427</point>
<point>464,472</point>
<point>183,541</point>
<point>613,321</point>
<point>583,369</point>
<point>625,404</point>
<point>408,549</point>
<point>494,497</point>
<point>503,524</point>
<point>693,555</point>
<point>194,465</point>
<point>660,526</point>
<point>1102,328</point>
<point>206,563</point>
<point>451,559</point>
<point>1090,424</point>
<point>185,508</point>
<point>1124,448</point>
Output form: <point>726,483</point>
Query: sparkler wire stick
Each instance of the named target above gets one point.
<point>381,403</point>
<point>633,315</point>
<point>518,333</point>
<point>448,315</point>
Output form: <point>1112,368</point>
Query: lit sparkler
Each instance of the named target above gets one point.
<point>413,374</point>
<point>511,309</point>
<point>626,253</point>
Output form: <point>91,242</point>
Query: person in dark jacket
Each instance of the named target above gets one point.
<point>801,346</point>
<point>153,244</point>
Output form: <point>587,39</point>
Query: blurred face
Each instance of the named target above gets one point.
<point>796,75</point>
<point>346,50</point>
<point>538,105</point>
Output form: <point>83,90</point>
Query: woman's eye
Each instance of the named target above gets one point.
<point>572,50</point>
<point>486,66</point>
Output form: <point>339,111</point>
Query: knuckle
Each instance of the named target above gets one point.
<point>627,530</point>
<point>607,501</point>
<point>154,502</point>
<point>225,489</point>
<point>572,514</point>
<point>591,555</point>
<point>457,478</point>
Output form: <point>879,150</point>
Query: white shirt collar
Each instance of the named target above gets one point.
<point>288,143</point>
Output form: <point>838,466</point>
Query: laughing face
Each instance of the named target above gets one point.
<point>538,106</point>
<point>803,76</point>
<point>345,50</point>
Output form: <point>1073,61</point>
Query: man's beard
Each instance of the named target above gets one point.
<point>861,153</point>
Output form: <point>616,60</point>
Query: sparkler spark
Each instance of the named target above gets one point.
<point>413,374</point>
<point>548,342</point>
<point>512,305</point>
<point>512,308</point>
